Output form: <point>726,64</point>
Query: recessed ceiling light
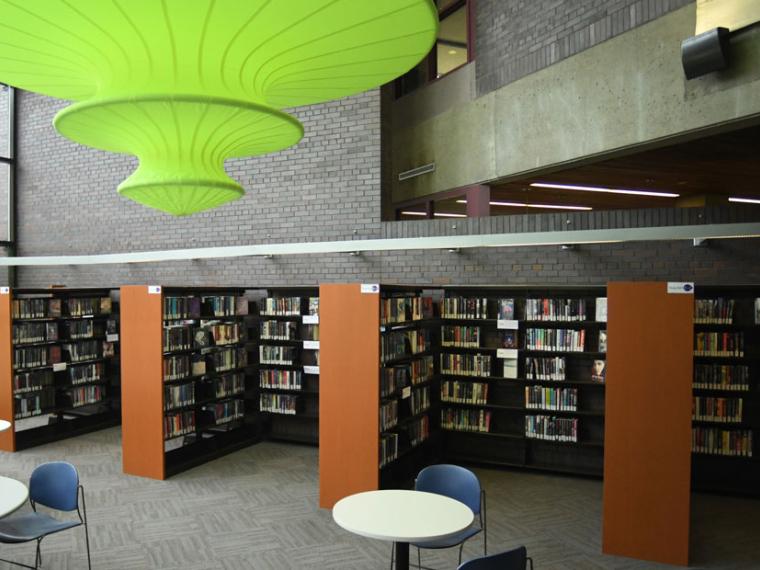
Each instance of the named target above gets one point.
<point>524,205</point>
<point>744,200</point>
<point>414,213</point>
<point>605,190</point>
<point>447,215</point>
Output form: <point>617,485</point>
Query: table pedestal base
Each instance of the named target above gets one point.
<point>402,556</point>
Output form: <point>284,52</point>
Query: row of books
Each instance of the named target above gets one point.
<point>71,352</point>
<point>193,307</point>
<point>27,405</point>
<point>418,430</point>
<point>388,415</point>
<point>542,398</point>
<point>47,307</point>
<point>460,336</point>
<point>714,311</point>
<point>179,423</point>
<point>466,419</point>
<point>85,373</point>
<point>419,401</point>
<point>274,354</point>
<point>721,376</point>
<point>555,309</point>
<point>181,366</point>
<point>278,403</point>
<point>398,344</point>
<point>464,392</point>
<point>710,409</point>
<point>178,337</point>
<point>90,394</point>
<point>466,364</point>
<point>718,441</point>
<point>719,344</point>
<point>392,378</point>
<point>179,395</point>
<point>545,368</point>
<point>226,411</point>
<point>477,308</point>
<point>281,306</point>
<point>33,381</point>
<point>405,309</point>
<point>564,340</point>
<point>27,333</point>
<point>551,428</point>
<point>281,379</point>
<point>230,385</point>
<point>388,448</point>
<point>33,356</point>
<point>84,350</point>
<point>278,330</point>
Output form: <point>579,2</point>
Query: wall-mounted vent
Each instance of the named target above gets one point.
<point>424,169</point>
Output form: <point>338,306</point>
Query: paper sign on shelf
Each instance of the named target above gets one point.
<point>370,287</point>
<point>311,369</point>
<point>112,337</point>
<point>311,344</point>
<point>59,366</point>
<point>310,319</point>
<point>5,290</point>
<point>154,289</point>
<point>507,324</point>
<point>678,287</point>
<point>506,353</point>
<point>406,392</point>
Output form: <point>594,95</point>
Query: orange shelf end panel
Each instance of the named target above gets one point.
<point>142,393</point>
<point>647,440</point>
<point>349,391</point>
<point>7,437</point>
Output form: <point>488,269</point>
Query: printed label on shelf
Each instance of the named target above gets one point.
<point>311,369</point>
<point>370,288</point>
<point>311,345</point>
<point>506,353</point>
<point>406,392</point>
<point>311,319</point>
<point>5,290</point>
<point>154,289</point>
<point>507,324</point>
<point>112,337</point>
<point>678,287</point>
<point>59,366</point>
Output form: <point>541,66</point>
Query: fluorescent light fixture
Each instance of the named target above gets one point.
<point>603,189</point>
<point>522,205</point>
<point>438,214</point>
<point>744,200</point>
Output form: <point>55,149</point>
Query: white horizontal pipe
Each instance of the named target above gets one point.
<point>712,231</point>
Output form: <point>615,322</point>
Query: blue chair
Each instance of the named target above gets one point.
<point>54,485</point>
<point>516,559</point>
<point>460,484</point>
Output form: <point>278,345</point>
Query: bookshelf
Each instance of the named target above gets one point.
<point>189,395</point>
<point>60,371</point>
<point>287,329</point>
<point>516,377</point>
<point>725,406</point>
<point>379,387</point>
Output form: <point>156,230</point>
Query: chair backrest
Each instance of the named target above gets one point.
<point>453,481</point>
<point>515,559</point>
<point>55,485</point>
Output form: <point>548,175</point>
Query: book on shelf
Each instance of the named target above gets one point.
<point>506,309</point>
<point>278,330</point>
<point>33,381</point>
<point>388,415</point>
<point>543,398</point>
<point>278,403</point>
<point>84,373</point>
<point>275,354</point>
<point>721,376</point>
<point>464,308</point>
<point>466,419</point>
<point>757,311</point>
<point>33,404</point>
<point>230,384</point>
<point>418,431</point>
<point>509,368</point>
<point>198,365</point>
<point>599,371</point>
<point>601,309</point>
<point>466,364</point>
<point>419,400</point>
<point>712,409</point>
<point>226,411</point>
<point>396,377</point>
<point>179,395</point>
<point>719,344</point>
<point>602,346</point>
<point>545,309</point>
<point>400,344</point>
<point>714,311</point>
<point>281,306</point>
<point>545,368</point>
<point>551,428</point>
<point>313,307</point>
<point>561,340</point>
<point>464,392</point>
<point>460,336</point>
<point>179,423</point>
<point>88,394</point>
<point>509,339</point>
<point>388,448</point>
<point>721,441</point>
<point>281,379</point>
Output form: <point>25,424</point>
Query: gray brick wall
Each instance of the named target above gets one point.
<point>517,37</point>
<point>326,188</point>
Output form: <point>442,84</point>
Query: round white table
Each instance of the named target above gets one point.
<point>13,494</point>
<point>4,425</point>
<point>402,517</point>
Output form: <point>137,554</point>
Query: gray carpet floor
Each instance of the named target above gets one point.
<point>257,508</point>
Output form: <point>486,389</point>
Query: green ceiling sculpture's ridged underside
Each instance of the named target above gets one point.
<point>186,84</point>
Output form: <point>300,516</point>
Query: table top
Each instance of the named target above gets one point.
<point>4,425</point>
<point>13,494</point>
<point>402,516</point>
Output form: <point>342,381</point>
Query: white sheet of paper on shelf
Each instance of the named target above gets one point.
<point>506,353</point>
<point>507,324</point>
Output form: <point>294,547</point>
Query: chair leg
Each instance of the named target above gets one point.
<point>38,554</point>
<point>461,548</point>
<point>86,531</point>
<point>393,553</point>
<point>531,562</point>
<point>87,543</point>
<point>419,558</point>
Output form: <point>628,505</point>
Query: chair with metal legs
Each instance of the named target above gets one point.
<point>515,559</point>
<point>54,485</point>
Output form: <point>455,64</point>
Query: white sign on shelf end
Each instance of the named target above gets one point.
<point>370,288</point>
<point>682,288</point>
<point>154,289</point>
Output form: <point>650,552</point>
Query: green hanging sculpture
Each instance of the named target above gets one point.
<point>186,84</point>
